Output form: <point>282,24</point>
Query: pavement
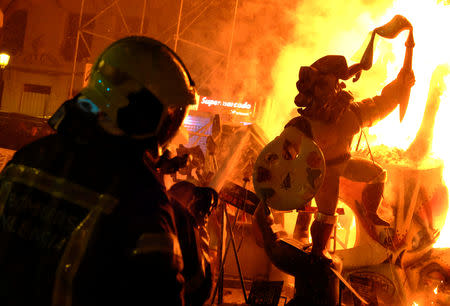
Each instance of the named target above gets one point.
<point>233,293</point>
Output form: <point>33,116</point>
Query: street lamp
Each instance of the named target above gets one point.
<point>4,60</point>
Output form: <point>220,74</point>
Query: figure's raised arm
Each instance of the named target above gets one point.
<point>371,110</point>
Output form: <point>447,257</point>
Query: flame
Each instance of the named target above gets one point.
<point>428,18</point>
<point>336,33</point>
<point>431,53</point>
<point>435,290</point>
<point>340,27</point>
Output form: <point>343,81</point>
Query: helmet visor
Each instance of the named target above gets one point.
<point>142,115</point>
<point>171,123</point>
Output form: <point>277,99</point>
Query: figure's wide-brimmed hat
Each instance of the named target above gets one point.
<point>331,64</point>
<point>337,66</point>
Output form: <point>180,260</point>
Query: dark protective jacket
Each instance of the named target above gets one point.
<point>194,244</point>
<point>82,219</point>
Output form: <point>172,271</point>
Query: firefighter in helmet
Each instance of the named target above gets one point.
<point>84,221</point>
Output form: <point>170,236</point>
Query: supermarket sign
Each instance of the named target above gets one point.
<point>245,108</point>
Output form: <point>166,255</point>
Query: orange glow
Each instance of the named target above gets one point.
<point>347,30</point>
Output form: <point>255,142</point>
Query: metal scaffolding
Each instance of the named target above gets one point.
<point>191,17</point>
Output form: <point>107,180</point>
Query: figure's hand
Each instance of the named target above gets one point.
<point>169,165</point>
<point>406,78</point>
<point>263,214</point>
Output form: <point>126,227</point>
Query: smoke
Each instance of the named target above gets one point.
<point>241,51</point>
<point>256,56</point>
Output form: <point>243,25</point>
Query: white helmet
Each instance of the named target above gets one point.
<point>140,88</point>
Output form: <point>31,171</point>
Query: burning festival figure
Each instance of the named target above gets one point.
<point>330,117</point>
<point>84,220</point>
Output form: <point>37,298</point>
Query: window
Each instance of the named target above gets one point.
<point>34,100</point>
<point>13,32</point>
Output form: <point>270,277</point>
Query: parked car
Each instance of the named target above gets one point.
<point>17,130</point>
